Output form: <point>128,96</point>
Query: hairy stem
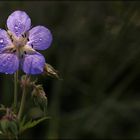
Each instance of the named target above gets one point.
<point>15,89</point>
<point>23,99</point>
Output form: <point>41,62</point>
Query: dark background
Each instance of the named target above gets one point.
<point>96,48</point>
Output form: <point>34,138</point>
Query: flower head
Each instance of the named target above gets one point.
<point>19,45</point>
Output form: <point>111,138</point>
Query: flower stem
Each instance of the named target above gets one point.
<point>15,89</point>
<point>23,99</point>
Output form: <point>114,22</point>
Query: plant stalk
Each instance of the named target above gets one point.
<point>23,100</point>
<point>15,89</point>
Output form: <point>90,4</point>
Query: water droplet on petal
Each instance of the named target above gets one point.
<point>16,27</point>
<point>40,39</point>
<point>1,40</point>
<point>16,32</point>
<point>8,58</point>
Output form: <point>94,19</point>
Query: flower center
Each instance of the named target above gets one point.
<point>19,45</point>
<point>18,41</point>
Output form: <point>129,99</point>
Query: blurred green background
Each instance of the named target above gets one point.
<point>96,49</point>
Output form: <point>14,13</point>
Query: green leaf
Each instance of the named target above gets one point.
<point>31,124</point>
<point>10,127</point>
<point>13,128</point>
<point>4,125</point>
<point>2,107</point>
<point>22,122</point>
<point>1,133</point>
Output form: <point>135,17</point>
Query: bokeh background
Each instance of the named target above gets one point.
<point>96,49</point>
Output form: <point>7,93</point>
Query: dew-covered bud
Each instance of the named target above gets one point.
<point>50,71</point>
<point>39,97</point>
<point>25,81</point>
<point>38,91</point>
<point>9,123</point>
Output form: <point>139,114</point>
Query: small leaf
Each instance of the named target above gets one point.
<point>31,124</point>
<point>9,127</point>
<point>1,133</point>
<point>4,125</point>
<point>22,122</point>
<point>13,128</point>
<point>2,107</point>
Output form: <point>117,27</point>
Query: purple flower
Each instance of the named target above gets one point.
<point>19,43</point>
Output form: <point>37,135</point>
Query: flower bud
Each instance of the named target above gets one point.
<point>25,81</point>
<point>39,97</point>
<point>9,123</point>
<point>50,71</point>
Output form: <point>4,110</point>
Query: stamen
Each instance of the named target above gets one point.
<point>25,52</point>
<point>24,35</point>
<point>14,51</point>
<point>28,39</point>
<point>11,39</point>
<point>32,45</point>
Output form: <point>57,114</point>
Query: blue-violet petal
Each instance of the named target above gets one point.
<point>40,38</point>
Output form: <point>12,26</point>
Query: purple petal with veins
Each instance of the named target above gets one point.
<point>9,63</point>
<point>18,22</point>
<point>33,64</point>
<point>4,39</point>
<point>40,38</point>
